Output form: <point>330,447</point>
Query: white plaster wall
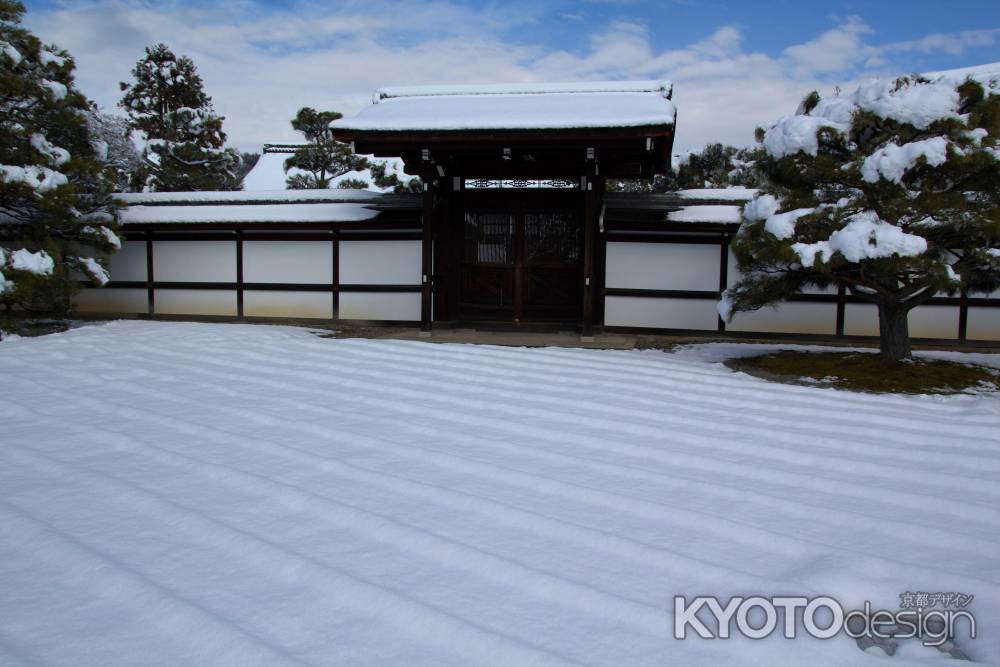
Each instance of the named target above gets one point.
<point>934,322</point>
<point>380,306</point>
<point>380,263</point>
<point>667,266</point>
<point>288,304</point>
<point>628,311</point>
<point>194,261</point>
<point>129,263</point>
<point>983,324</point>
<point>810,318</point>
<point>288,262</point>
<point>861,319</point>
<point>111,300</point>
<point>195,302</point>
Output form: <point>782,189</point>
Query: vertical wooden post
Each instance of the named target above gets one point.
<point>335,274</point>
<point>239,274</point>
<point>963,316</point>
<point>841,309</point>
<point>589,239</point>
<point>150,292</point>
<point>723,274</point>
<point>426,256</point>
<point>518,276</point>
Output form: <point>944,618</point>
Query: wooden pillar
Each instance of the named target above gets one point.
<point>963,317</point>
<point>426,255</point>
<point>841,309</point>
<point>723,274</point>
<point>335,274</point>
<point>239,274</point>
<point>589,239</point>
<point>150,292</point>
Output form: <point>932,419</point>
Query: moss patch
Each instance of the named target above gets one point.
<point>859,371</point>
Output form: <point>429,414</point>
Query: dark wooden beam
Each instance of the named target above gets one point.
<point>239,275</point>
<point>723,273</point>
<point>590,211</point>
<point>150,292</point>
<point>426,254</point>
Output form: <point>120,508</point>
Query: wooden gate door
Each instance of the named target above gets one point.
<point>523,264</point>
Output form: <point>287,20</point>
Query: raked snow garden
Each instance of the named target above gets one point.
<point>227,494</point>
<point>538,390</point>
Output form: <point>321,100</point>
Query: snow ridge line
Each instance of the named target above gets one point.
<point>449,629</point>
<point>444,551</point>
<point>463,463</point>
<point>681,402</point>
<point>139,584</point>
<point>565,358</point>
<point>493,470</point>
<point>811,466</point>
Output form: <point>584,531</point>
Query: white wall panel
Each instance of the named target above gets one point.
<point>111,300</point>
<point>288,262</point>
<point>810,318</point>
<point>194,261</point>
<point>380,306</point>
<point>129,263</point>
<point>628,311</point>
<point>380,263</point>
<point>934,322</point>
<point>195,302</point>
<point>860,319</point>
<point>984,323</point>
<point>667,266</point>
<point>288,304</point>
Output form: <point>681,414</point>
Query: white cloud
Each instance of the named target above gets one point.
<point>834,51</point>
<point>260,68</point>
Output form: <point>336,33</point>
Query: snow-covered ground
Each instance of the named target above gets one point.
<point>175,493</point>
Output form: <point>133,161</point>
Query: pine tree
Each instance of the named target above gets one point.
<point>185,142</point>
<point>892,192</point>
<point>54,192</point>
<point>714,166</point>
<point>115,148</point>
<point>323,159</point>
<point>383,179</point>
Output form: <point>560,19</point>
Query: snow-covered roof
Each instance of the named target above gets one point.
<point>244,197</point>
<point>516,107</point>
<point>259,213</point>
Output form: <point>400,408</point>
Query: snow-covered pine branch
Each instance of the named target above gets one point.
<point>892,191</point>
<point>52,181</point>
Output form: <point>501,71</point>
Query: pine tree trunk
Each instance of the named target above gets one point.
<point>893,330</point>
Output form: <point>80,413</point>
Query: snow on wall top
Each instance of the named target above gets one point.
<point>260,213</point>
<point>516,107</point>
<point>708,214</point>
<point>244,197</point>
<point>740,194</point>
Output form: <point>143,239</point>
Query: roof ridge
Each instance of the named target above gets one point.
<point>664,88</point>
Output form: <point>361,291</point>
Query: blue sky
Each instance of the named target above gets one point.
<point>735,65</point>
